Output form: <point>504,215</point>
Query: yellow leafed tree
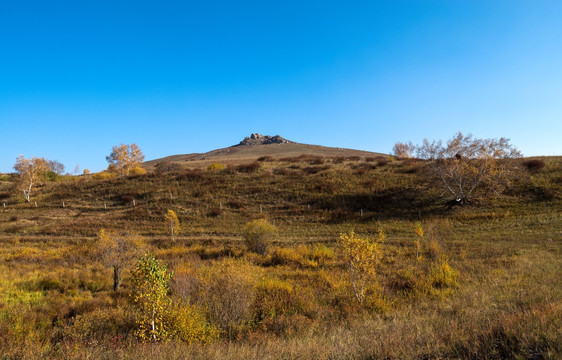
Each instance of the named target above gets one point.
<point>361,256</point>
<point>172,223</point>
<point>124,158</point>
<point>418,241</point>
<point>150,295</point>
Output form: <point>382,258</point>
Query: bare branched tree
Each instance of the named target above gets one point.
<point>56,167</point>
<point>404,150</point>
<point>469,167</point>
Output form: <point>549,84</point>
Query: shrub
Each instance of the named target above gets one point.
<point>383,162</point>
<point>216,166</point>
<point>289,256</point>
<point>101,323</point>
<point>338,160</point>
<point>258,234</point>
<point>214,212</point>
<point>316,160</point>
<point>534,164</point>
<point>266,158</point>
<point>321,253</point>
<point>274,297</point>
<point>284,171</point>
<point>137,171</point>
<point>411,281</point>
<point>188,324</point>
<point>236,204</point>
<point>248,168</point>
<point>86,172</point>
<point>433,249</point>
<point>227,290</point>
<point>104,175</point>
<point>442,275</point>
<point>167,167</point>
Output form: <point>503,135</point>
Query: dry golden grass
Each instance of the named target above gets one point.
<point>57,301</point>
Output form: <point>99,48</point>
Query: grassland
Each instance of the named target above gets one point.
<point>295,302</point>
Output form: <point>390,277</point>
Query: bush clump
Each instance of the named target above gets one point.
<point>258,235</point>
<point>534,164</point>
<point>216,166</point>
<point>166,167</point>
<point>442,275</point>
<point>248,168</point>
<point>137,171</point>
<point>227,290</point>
<point>104,175</point>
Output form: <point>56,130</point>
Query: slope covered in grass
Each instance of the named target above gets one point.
<point>486,285</point>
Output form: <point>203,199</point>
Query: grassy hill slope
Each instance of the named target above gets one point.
<point>240,154</point>
<point>57,299</point>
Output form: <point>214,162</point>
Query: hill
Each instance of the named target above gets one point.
<point>486,275</point>
<point>257,146</point>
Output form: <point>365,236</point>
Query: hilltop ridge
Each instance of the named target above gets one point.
<point>255,146</point>
<point>259,139</point>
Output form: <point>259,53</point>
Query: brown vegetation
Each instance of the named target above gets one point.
<point>486,276</point>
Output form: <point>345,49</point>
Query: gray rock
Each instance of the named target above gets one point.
<point>259,139</point>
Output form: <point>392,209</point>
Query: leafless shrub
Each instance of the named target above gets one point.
<point>236,204</point>
<point>248,168</point>
<point>534,164</point>
<point>215,212</point>
<point>266,158</point>
<point>167,167</point>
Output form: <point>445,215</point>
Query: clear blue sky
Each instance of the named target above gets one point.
<point>77,77</point>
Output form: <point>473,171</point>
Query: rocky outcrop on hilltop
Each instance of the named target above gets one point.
<point>259,139</point>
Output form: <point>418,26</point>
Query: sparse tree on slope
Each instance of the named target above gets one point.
<point>150,280</point>
<point>30,170</point>
<point>468,167</point>
<point>117,251</point>
<point>403,150</point>
<point>361,257</point>
<point>172,223</point>
<point>124,158</point>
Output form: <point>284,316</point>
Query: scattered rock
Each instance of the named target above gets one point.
<point>259,139</point>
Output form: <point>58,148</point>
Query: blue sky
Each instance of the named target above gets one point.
<point>77,77</point>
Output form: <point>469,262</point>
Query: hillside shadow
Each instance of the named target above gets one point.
<point>405,204</point>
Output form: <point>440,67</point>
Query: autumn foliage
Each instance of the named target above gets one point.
<point>124,158</point>
<point>361,256</point>
<point>150,281</point>
<point>258,235</point>
<point>172,223</point>
<point>30,171</point>
<point>118,250</point>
